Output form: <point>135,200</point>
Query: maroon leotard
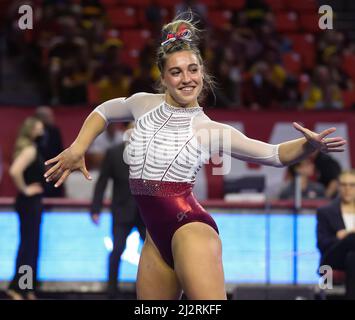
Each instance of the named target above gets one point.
<point>165,207</point>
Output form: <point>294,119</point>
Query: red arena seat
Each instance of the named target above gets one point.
<point>109,3</point>
<point>210,3</point>
<point>130,57</point>
<point>142,18</point>
<point>348,98</point>
<point>123,17</point>
<point>301,41</point>
<point>292,62</point>
<point>276,5</point>
<point>137,3</point>
<point>92,93</point>
<point>135,38</point>
<point>286,21</point>
<point>304,44</point>
<point>304,82</point>
<point>302,5</point>
<point>309,22</point>
<point>167,3</point>
<point>233,4</point>
<point>219,18</point>
<point>349,65</point>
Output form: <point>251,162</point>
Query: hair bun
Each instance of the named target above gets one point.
<point>179,33</point>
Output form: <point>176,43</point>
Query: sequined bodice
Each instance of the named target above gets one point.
<point>163,147</point>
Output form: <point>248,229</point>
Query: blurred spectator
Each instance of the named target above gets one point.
<point>228,85</point>
<point>49,145</point>
<point>327,171</point>
<point>256,12</point>
<point>154,17</point>
<point>27,171</point>
<point>144,81</point>
<point>260,89</point>
<point>323,92</point>
<point>92,23</point>
<point>115,84</point>
<point>290,95</point>
<point>198,9</point>
<point>107,139</point>
<point>147,60</point>
<point>336,232</point>
<point>330,42</point>
<point>111,56</point>
<point>69,65</point>
<point>278,73</point>
<point>333,61</point>
<point>310,189</point>
<point>91,9</point>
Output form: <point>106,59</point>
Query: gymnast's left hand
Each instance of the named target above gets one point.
<point>64,164</point>
<point>321,141</point>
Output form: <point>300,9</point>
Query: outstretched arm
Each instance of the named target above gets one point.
<point>72,158</point>
<point>231,141</point>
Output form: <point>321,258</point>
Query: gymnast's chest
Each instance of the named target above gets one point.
<point>170,135</point>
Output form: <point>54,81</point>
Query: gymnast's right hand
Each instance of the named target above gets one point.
<point>63,164</point>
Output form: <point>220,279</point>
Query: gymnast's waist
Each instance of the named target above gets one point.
<point>159,188</point>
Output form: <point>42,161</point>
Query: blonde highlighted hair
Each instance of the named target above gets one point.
<point>24,137</point>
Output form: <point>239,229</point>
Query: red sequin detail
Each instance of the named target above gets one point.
<point>159,188</point>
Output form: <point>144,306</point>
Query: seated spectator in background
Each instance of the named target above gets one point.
<point>310,189</point>
<point>69,65</point>
<point>323,92</point>
<point>147,59</point>
<point>114,84</point>
<point>278,73</point>
<point>111,53</point>
<point>154,17</point>
<point>290,96</point>
<point>333,61</point>
<point>92,23</point>
<point>107,139</point>
<point>336,232</point>
<point>143,81</point>
<point>329,42</point>
<point>229,78</point>
<point>49,145</point>
<point>199,10</point>
<point>256,12</point>
<point>327,172</point>
<point>91,9</point>
<point>260,90</point>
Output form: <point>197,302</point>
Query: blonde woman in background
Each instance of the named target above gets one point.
<point>27,171</point>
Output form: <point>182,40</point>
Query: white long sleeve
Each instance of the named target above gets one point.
<point>225,138</point>
<point>128,109</point>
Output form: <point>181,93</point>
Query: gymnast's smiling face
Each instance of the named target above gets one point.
<point>183,78</point>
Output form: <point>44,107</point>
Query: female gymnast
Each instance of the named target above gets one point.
<point>171,140</point>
